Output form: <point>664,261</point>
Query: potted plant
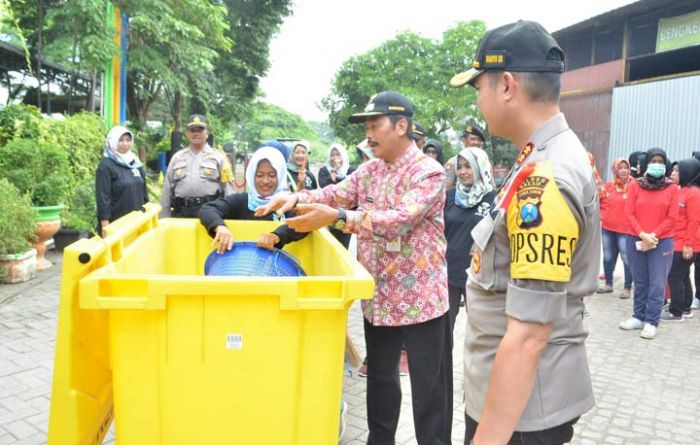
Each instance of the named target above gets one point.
<point>17,231</point>
<point>42,171</point>
<point>79,220</point>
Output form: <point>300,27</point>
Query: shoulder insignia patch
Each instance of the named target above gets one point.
<point>542,230</point>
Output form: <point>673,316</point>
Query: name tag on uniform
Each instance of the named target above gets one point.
<point>394,246</point>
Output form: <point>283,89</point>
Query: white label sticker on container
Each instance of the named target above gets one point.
<point>234,341</point>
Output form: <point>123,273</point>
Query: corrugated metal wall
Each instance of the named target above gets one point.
<point>662,114</point>
<point>588,116</point>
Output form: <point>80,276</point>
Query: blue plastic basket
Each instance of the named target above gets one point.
<point>249,260</point>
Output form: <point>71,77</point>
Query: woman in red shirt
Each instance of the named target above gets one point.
<point>652,210</point>
<point>615,225</point>
<point>686,242</point>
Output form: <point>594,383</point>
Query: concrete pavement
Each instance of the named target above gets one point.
<point>647,391</point>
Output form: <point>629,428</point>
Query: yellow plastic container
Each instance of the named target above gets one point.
<point>174,357</point>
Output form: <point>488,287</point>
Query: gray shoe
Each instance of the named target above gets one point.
<point>631,324</point>
<point>668,317</point>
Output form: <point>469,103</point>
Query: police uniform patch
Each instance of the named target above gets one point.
<point>529,201</point>
<point>542,230</point>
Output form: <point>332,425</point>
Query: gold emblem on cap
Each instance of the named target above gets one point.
<point>476,64</point>
<point>396,108</point>
<point>494,58</point>
<point>196,120</point>
<point>469,129</point>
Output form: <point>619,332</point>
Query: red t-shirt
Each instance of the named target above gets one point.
<point>612,209</point>
<point>652,211</point>
<point>687,228</point>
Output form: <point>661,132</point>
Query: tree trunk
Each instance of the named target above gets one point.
<point>178,102</point>
<point>90,105</point>
<point>73,75</point>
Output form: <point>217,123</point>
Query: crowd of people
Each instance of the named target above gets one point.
<point>650,214</point>
<point>438,235</point>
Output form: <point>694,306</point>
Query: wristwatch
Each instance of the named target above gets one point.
<point>342,219</point>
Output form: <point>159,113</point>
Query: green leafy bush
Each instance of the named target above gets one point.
<point>82,137</point>
<point>38,169</point>
<point>19,121</point>
<point>17,220</point>
<point>81,211</point>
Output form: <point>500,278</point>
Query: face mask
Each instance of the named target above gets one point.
<point>656,170</point>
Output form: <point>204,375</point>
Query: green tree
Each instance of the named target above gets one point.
<point>234,83</point>
<point>272,122</point>
<point>80,40</point>
<point>416,66</point>
<point>73,33</point>
<point>171,43</point>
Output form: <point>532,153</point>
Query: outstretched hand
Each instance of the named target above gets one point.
<point>312,217</point>
<point>281,204</point>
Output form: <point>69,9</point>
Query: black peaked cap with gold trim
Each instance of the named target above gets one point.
<point>388,103</point>
<point>523,46</point>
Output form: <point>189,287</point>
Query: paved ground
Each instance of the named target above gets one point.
<point>647,391</point>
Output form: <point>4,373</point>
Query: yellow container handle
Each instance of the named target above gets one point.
<point>102,291</point>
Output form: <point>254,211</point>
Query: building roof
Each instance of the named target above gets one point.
<point>618,15</point>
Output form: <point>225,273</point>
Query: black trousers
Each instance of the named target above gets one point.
<point>679,284</point>
<point>429,348</point>
<point>456,294</point>
<point>553,436</point>
<point>697,276</point>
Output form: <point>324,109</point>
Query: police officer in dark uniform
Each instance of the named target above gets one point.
<point>194,175</point>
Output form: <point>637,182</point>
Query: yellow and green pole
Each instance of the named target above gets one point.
<point>114,86</point>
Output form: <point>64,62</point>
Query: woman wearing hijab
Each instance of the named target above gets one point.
<point>634,163</point>
<point>120,180</point>
<point>615,226</point>
<point>336,169</point>
<point>300,177</point>
<point>433,149</point>
<point>686,242</point>
<point>465,206</point>
<point>652,210</point>
<point>265,178</point>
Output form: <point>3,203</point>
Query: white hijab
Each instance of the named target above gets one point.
<point>112,142</point>
<point>343,170</point>
<point>276,160</point>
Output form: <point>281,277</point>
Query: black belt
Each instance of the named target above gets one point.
<point>194,202</point>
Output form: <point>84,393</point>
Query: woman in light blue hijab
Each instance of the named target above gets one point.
<point>266,177</point>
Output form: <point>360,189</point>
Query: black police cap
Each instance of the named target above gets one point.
<point>418,131</point>
<point>523,46</point>
<point>197,120</point>
<point>385,103</point>
<point>474,129</point>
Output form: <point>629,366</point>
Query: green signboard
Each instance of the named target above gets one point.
<point>678,32</point>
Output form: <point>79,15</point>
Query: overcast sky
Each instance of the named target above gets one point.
<point>321,34</point>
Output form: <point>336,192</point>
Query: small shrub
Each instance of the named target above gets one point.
<point>17,220</point>
<point>19,121</point>
<point>81,212</point>
<point>38,169</point>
